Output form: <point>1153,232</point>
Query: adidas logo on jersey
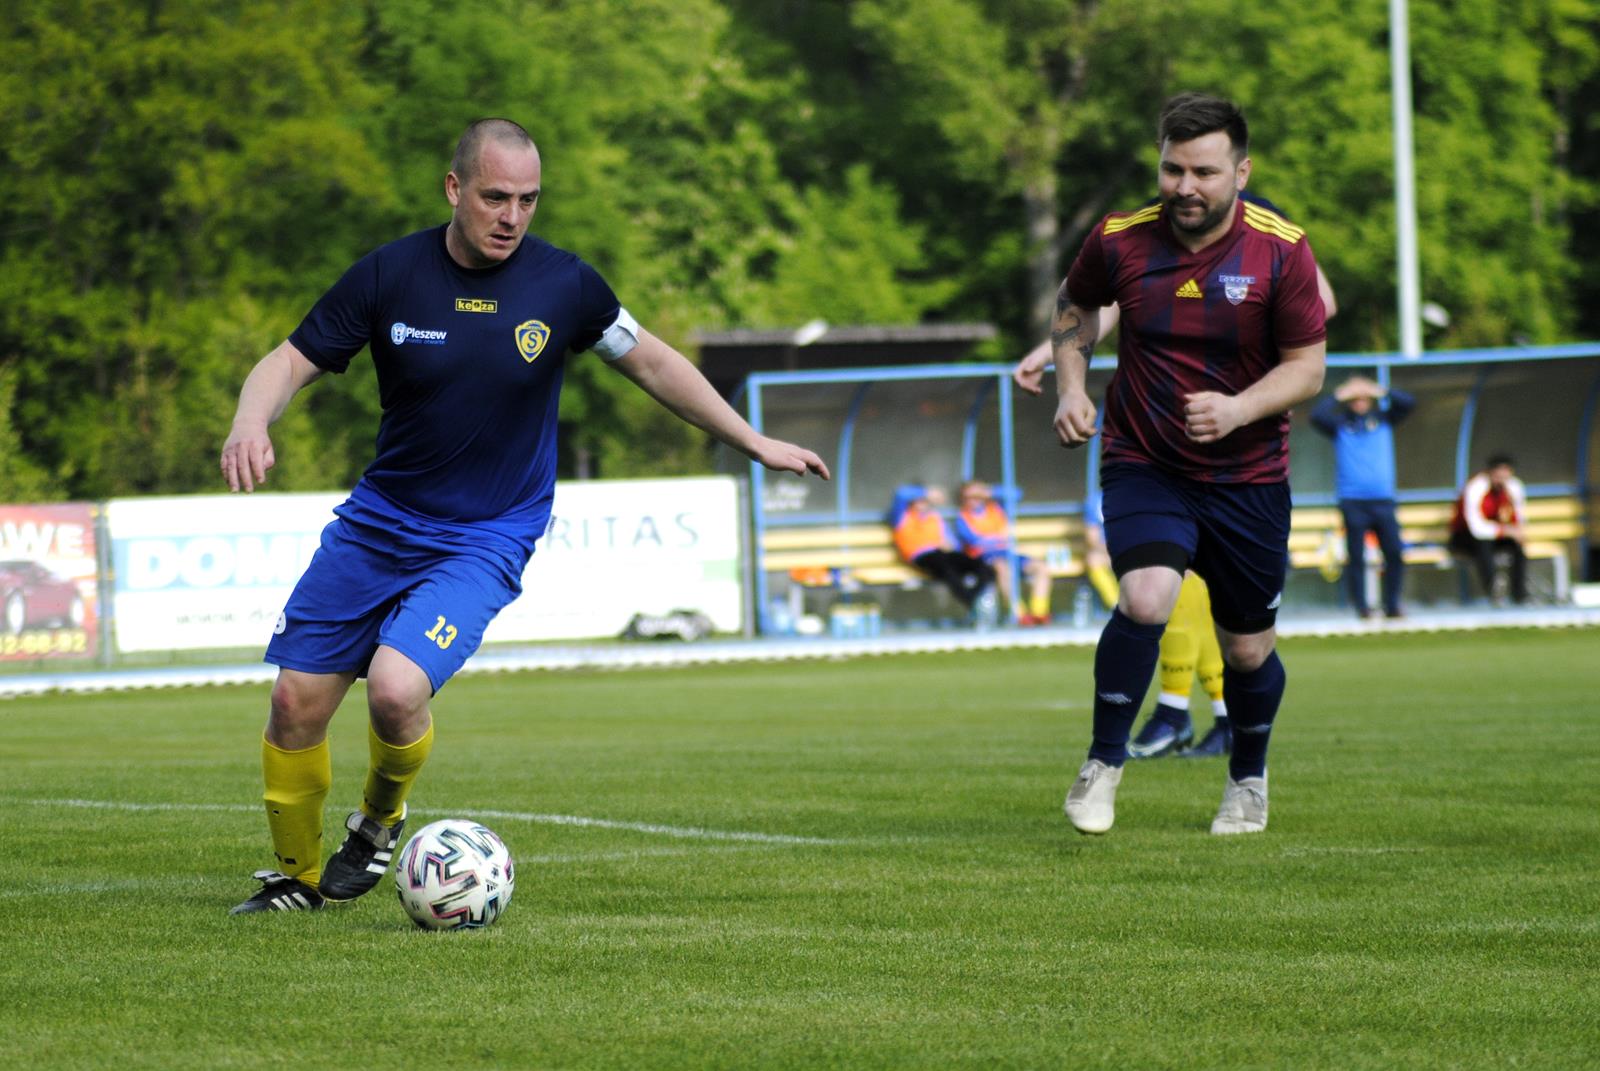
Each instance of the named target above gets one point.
<point>1190,289</point>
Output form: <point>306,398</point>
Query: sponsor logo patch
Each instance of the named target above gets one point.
<point>400,334</point>
<point>476,304</point>
<point>1190,289</point>
<point>531,337</point>
<point>1236,287</point>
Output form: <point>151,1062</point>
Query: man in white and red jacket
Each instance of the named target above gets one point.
<point>1489,519</point>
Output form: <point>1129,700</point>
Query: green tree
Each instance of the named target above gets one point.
<point>160,163</point>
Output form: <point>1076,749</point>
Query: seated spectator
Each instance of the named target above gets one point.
<point>984,532</point>
<point>1488,523</point>
<point>923,540</point>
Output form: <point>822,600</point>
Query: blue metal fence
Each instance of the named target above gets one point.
<point>992,382</point>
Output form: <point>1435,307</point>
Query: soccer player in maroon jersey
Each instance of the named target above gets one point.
<point>1222,332</point>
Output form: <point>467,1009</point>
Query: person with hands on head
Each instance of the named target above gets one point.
<point>470,326</point>
<point>1360,417</point>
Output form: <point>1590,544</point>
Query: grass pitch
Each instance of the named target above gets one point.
<point>840,864</point>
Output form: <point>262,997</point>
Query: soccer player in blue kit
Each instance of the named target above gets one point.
<point>470,325</point>
<point>1222,332</point>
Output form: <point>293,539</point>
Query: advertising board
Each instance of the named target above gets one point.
<point>211,571</point>
<point>47,582</point>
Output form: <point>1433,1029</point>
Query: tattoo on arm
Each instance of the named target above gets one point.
<point>1069,327</point>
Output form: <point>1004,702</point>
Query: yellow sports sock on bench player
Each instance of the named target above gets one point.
<point>1104,582</point>
<point>297,782</point>
<point>393,771</point>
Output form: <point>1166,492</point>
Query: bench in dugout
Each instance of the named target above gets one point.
<point>1554,527</point>
<point>852,559</point>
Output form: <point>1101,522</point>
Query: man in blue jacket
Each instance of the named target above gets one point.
<point>1360,418</point>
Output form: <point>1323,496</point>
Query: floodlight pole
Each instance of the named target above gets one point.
<point>1405,182</point>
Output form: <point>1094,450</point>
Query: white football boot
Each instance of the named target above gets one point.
<point>1244,807</point>
<point>1091,802</point>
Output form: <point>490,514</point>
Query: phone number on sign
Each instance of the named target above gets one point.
<point>69,641</point>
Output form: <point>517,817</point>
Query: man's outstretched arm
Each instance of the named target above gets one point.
<point>671,379</point>
<point>276,378</point>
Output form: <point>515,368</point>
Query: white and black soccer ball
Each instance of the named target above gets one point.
<point>454,874</point>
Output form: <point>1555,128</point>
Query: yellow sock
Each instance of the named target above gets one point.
<point>296,784</point>
<point>1177,659</point>
<point>1104,582</point>
<point>393,771</point>
<point>1209,665</point>
<point>1039,605</point>
<point>1183,644</point>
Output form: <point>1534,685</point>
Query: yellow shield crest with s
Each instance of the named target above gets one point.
<point>531,337</point>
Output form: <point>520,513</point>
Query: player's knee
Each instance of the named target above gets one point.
<point>1144,610</point>
<point>300,712</point>
<point>1147,600</point>
<point>398,707</point>
<point>1247,653</point>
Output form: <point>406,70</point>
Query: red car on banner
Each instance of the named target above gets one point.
<point>31,596</point>
<point>48,579</point>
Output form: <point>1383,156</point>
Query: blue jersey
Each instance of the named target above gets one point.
<point>469,365</point>
<point>1363,446</point>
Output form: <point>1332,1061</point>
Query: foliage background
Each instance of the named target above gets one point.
<point>182,179</point>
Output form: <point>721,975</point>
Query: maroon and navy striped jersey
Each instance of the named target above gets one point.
<point>1215,320</point>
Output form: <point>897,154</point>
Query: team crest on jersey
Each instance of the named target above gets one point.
<point>1236,287</point>
<point>531,337</point>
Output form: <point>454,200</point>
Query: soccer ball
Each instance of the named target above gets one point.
<point>454,874</point>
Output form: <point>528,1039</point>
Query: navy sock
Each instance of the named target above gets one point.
<point>1124,663</point>
<point>1253,700</point>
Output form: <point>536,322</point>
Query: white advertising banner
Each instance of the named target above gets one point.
<point>208,570</point>
<point>616,548</point>
<point>215,570</point>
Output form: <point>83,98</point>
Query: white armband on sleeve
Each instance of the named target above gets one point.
<point>620,338</point>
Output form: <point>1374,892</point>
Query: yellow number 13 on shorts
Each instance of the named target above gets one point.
<point>442,634</point>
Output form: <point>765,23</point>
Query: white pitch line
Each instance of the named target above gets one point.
<point>1333,849</point>
<point>118,805</point>
<point>80,888</point>
<point>626,857</point>
<point>665,831</point>
<point>687,832</point>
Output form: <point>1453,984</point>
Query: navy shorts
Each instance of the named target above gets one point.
<point>366,587</point>
<point>1236,536</point>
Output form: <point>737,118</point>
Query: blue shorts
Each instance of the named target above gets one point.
<point>367,587</point>
<point>1235,535</point>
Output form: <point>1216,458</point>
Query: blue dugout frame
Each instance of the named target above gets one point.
<point>998,381</point>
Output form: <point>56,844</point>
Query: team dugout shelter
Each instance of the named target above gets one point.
<point>908,405</point>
